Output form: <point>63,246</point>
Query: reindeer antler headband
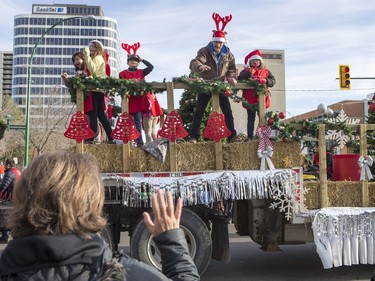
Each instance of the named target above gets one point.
<point>133,47</point>
<point>224,21</point>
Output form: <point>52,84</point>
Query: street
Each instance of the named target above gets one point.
<point>295,262</point>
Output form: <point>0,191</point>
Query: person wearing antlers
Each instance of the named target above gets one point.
<point>137,104</point>
<point>214,61</point>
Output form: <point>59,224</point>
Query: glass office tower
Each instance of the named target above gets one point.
<point>53,55</point>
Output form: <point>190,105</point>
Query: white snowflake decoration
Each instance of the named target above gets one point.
<point>288,198</point>
<point>338,135</point>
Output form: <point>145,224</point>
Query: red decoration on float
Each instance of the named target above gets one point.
<point>173,127</point>
<point>79,128</point>
<point>216,128</point>
<point>125,129</point>
<point>264,133</point>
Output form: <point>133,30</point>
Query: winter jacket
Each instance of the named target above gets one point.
<point>222,66</point>
<point>249,94</point>
<point>71,257</point>
<point>96,65</point>
<point>137,103</point>
<point>10,177</point>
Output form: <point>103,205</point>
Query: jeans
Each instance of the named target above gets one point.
<point>99,113</point>
<point>138,124</point>
<point>202,102</point>
<point>250,123</point>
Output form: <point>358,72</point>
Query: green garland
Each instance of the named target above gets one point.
<point>125,87</point>
<point>288,131</point>
<point>112,85</point>
<point>198,85</point>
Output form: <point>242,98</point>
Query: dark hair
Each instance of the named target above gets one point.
<point>10,162</point>
<point>78,54</point>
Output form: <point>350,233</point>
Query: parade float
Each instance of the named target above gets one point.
<point>263,178</point>
<point>256,184</point>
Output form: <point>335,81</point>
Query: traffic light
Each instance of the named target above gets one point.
<point>344,73</point>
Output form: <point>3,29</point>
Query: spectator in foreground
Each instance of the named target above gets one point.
<point>58,201</point>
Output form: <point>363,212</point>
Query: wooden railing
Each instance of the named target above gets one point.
<point>169,88</point>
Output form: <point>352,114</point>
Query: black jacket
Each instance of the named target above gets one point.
<point>70,257</point>
<point>8,180</point>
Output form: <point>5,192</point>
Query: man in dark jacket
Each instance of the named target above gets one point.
<point>6,189</point>
<point>215,61</point>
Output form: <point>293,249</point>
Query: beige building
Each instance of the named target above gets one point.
<point>274,60</point>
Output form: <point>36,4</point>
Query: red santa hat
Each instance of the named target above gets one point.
<point>254,55</point>
<point>219,34</point>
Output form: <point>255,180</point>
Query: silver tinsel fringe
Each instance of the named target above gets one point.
<point>345,236</point>
<point>206,187</point>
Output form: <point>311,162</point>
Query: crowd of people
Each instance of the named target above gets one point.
<point>214,61</point>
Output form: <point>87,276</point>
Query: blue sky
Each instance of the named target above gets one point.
<point>316,36</point>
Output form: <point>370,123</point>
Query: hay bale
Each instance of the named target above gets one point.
<point>340,194</point>
<point>195,157</point>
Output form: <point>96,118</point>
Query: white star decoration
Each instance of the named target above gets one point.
<point>289,198</point>
<point>338,135</point>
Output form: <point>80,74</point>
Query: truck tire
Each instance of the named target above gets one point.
<point>142,246</point>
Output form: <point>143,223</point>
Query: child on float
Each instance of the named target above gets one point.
<point>255,71</point>
<point>95,58</point>
<point>137,104</point>
<point>81,70</point>
<point>152,117</point>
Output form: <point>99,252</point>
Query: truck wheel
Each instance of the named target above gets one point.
<point>142,246</point>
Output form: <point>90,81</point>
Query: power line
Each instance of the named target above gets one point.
<point>322,90</point>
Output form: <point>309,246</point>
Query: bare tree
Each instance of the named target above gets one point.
<point>50,119</point>
<point>12,144</point>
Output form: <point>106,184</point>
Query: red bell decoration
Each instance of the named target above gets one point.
<point>173,127</point>
<point>125,129</point>
<point>216,128</point>
<point>372,106</point>
<point>79,128</point>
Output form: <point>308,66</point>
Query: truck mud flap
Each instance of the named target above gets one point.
<point>220,239</point>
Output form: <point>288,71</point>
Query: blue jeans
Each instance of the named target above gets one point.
<point>138,124</point>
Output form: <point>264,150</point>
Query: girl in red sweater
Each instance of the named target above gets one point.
<point>258,72</point>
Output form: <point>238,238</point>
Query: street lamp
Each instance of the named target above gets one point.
<point>28,93</point>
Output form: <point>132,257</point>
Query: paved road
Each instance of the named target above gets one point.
<point>294,263</point>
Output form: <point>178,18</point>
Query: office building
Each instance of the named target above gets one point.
<point>53,54</point>
<point>6,61</point>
